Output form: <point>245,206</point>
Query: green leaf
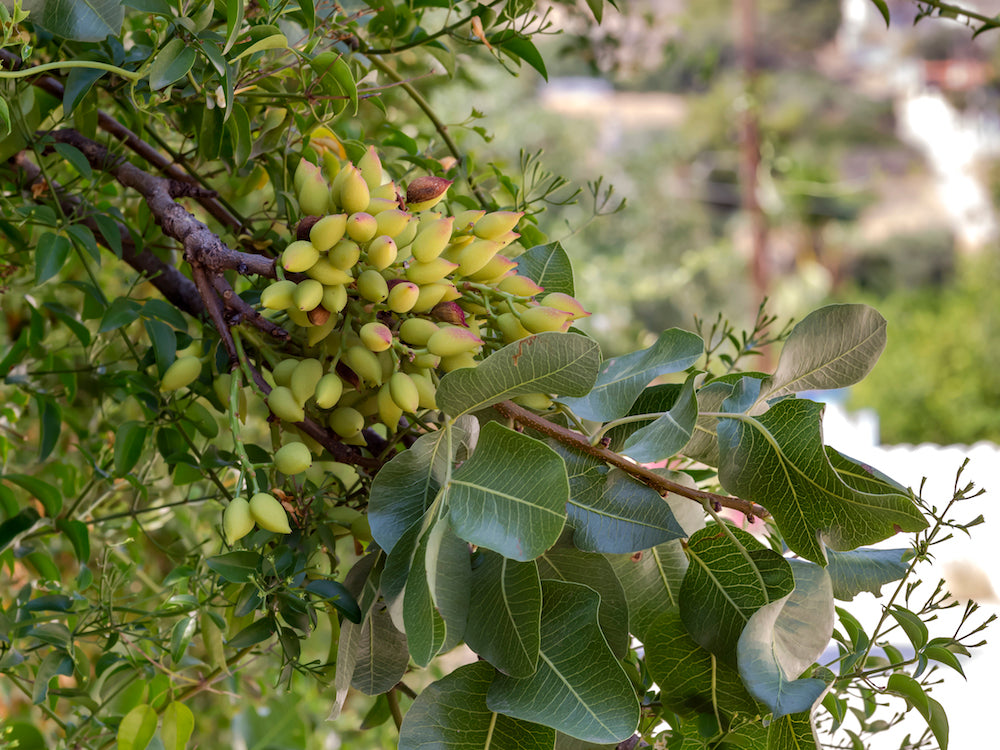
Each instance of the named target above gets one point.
<point>171,63</point>
<point>704,443</point>
<point>579,688</point>
<point>274,40</point>
<point>792,732</point>
<point>912,625</point>
<point>236,567</point>
<point>612,512</point>
<point>406,486</point>
<point>111,233</point>
<point>75,157</point>
<point>726,582</point>
<point>180,637</point>
<point>425,628</point>
<point>932,711</point>
<point>448,566</point>
<point>943,655</point>
<point>692,680</point>
<point>381,654</point>
<point>178,725</point>
<point>164,341</point>
<point>50,419</point>
<point>597,8</point>
<point>137,728</point>
<point>5,128</point>
<point>667,435</point>
<point>71,319</point>
<point>89,21</point>
<point>55,663</point>
<point>78,536</point>
<point>451,714</point>
<point>783,638</point>
<point>332,68</point>
<point>362,581</point>
<point>865,570</point>
<point>862,476</point>
<point>778,460</point>
<point>505,612</point>
<point>883,8</point>
<point>252,634</point>
<point>234,22</point>
<point>130,439</point>
<point>572,565</point>
<point>50,256</point>
<point>338,595</point>
<point>521,47</point>
<point>24,736</point>
<point>562,363</point>
<point>652,582</point>
<point>45,493</point>
<point>548,266</point>
<point>120,313</point>
<point>622,379</point>
<point>78,82</point>
<point>833,347</point>
<point>518,514</point>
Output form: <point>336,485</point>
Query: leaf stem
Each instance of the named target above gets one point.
<point>650,478</point>
<point>131,75</point>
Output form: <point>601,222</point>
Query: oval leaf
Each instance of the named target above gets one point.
<point>451,714</point>
<point>137,728</point>
<point>579,688</point>
<point>519,514</point>
<point>505,613</point>
<point>622,379</point>
<point>171,63</point>
<point>178,725</point>
<point>833,347</point>
<point>560,363</point>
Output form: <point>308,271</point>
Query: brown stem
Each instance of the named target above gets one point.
<point>132,141</point>
<point>661,484</point>
<point>200,243</point>
<point>177,288</point>
<point>245,312</point>
<point>215,311</point>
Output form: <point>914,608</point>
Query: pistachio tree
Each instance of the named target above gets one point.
<point>298,398</point>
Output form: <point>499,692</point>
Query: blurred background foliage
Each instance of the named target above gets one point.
<point>855,206</point>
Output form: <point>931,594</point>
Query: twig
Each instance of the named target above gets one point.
<point>132,141</point>
<point>200,244</point>
<point>244,312</point>
<point>661,484</point>
<point>172,284</point>
<point>441,128</point>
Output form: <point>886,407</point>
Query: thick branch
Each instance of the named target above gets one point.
<point>200,243</point>
<point>243,311</point>
<point>661,484</point>
<point>177,288</point>
<point>132,141</point>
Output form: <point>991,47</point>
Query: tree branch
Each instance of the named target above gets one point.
<point>208,257</point>
<point>200,244</point>
<point>177,288</point>
<point>661,484</point>
<point>113,127</point>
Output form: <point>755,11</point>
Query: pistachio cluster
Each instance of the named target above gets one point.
<point>387,295</point>
<point>381,296</point>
